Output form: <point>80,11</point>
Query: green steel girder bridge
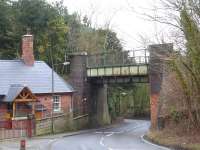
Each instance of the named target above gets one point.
<point>118,66</point>
<point>91,75</point>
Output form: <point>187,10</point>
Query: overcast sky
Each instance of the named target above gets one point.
<point>123,17</point>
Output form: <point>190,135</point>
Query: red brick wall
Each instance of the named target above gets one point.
<point>154,98</point>
<point>3,107</point>
<point>46,100</point>
<point>66,103</point>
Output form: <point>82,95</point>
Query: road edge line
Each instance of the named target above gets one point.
<point>89,130</point>
<point>150,143</point>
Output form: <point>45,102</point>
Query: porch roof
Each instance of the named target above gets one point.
<point>13,92</point>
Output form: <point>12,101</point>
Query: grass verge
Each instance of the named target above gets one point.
<point>174,140</point>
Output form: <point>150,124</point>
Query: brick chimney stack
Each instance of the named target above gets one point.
<point>27,49</point>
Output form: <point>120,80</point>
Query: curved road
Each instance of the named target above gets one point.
<point>126,136</point>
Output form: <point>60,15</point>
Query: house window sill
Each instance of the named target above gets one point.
<point>57,111</point>
<point>20,118</point>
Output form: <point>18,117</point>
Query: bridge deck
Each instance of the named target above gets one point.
<point>131,70</point>
<point>118,63</point>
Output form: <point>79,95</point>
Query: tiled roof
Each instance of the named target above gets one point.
<point>37,78</point>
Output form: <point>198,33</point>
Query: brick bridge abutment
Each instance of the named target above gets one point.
<point>159,54</point>
<point>94,95</point>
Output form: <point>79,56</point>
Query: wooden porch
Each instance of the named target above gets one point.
<point>24,104</point>
<point>19,103</point>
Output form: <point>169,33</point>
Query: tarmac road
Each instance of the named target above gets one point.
<point>125,136</point>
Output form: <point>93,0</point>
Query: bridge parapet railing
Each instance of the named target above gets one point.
<point>118,58</point>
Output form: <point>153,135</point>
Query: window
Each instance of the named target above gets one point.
<point>56,103</point>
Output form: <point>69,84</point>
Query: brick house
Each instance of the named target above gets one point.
<point>26,87</point>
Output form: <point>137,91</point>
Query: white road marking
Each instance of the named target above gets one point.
<point>101,142</point>
<point>110,134</point>
<point>147,142</point>
<point>103,138</point>
<point>107,132</point>
<point>98,132</point>
<point>50,143</point>
<point>123,131</point>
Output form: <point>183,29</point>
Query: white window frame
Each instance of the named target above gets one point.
<point>57,100</point>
